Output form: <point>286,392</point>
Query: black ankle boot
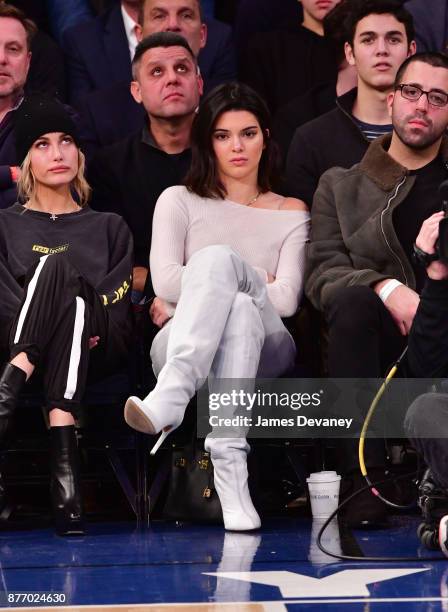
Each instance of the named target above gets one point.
<point>11,383</point>
<point>65,482</point>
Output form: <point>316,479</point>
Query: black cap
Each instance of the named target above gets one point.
<point>38,115</point>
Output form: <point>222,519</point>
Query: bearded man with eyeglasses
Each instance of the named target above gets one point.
<point>365,220</point>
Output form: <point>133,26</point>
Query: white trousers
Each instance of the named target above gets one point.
<point>224,327</point>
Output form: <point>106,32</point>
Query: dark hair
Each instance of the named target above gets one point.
<point>432,58</point>
<point>203,178</point>
<point>159,39</point>
<point>7,10</point>
<point>335,28</point>
<point>364,8</point>
<point>141,11</point>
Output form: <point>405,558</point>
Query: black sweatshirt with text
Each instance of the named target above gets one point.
<point>98,245</point>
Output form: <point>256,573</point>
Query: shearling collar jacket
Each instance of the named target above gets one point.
<point>378,165</point>
<point>353,241</point>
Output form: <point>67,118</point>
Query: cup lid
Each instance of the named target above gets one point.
<point>324,476</point>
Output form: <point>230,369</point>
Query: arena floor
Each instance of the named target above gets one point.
<point>192,567</point>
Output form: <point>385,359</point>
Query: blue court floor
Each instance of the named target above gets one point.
<point>193,567</point>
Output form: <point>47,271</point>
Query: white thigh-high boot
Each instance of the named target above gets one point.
<point>234,368</point>
<point>229,458</point>
<point>211,279</point>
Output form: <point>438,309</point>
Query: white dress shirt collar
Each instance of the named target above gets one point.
<point>129,26</point>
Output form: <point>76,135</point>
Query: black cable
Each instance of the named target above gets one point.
<point>376,493</point>
<point>367,559</point>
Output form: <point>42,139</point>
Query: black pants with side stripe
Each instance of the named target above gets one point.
<point>59,312</point>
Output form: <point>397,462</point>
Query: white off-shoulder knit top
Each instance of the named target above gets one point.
<point>271,241</point>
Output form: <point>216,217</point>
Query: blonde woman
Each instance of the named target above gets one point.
<point>64,278</point>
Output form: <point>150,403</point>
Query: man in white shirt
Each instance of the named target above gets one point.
<point>129,13</point>
<point>99,51</point>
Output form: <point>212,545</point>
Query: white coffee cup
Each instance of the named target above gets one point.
<point>324,493</point>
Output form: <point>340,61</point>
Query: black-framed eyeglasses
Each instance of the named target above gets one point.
<point>414,93</point>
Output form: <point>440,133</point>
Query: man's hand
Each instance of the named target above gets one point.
<point>158,312</point>
<point>139,275</point>
<point>402,304</point>
<point>426,241</point>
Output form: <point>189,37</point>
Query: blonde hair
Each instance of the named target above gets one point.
<point>26,185</point>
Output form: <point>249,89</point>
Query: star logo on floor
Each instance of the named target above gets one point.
<point>346,583</point>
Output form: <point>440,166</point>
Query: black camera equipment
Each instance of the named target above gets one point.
<point>442,246</point>
<point>441,253</point>
<point>433,502</point>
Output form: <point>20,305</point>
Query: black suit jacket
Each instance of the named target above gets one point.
<point>107,116</point>
<point>98,54</point>
<point>217,60</point>
<point>285,64</point>
<point>263,16</point>
<point>431,26</point>
<point>47,70</point>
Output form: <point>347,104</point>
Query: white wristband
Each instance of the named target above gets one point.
<point>388,288</point>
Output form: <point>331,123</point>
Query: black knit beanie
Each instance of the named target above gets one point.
<point>38,115</point>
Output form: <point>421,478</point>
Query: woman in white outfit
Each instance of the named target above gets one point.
<point>227,258</point>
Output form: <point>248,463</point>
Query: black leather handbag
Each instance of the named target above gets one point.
<point>192,495</point>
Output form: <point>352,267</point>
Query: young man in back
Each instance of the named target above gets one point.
<point>380,37</point>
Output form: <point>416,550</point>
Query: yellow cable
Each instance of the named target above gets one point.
<point>368,418</point>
